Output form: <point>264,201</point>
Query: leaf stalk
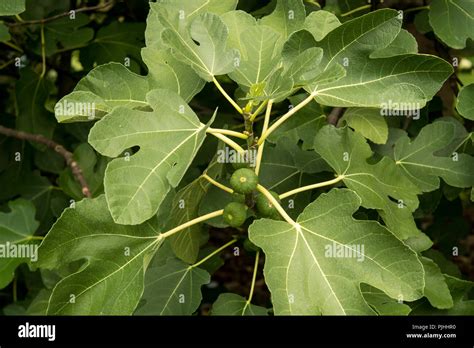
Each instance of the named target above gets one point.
<point>311,187</point>
<point>217,184</point>
<point>217,251</point>
<point>277,205</point>
<point>190,223</point>
<point>230,142</point>
<point>286,116</point>
<point>224,93</point>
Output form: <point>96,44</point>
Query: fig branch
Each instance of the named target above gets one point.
<point>68,156</point>
<point>266,123</point>
<point>101,7</point>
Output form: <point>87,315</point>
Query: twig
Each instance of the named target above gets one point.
<point>68,156</point>
<point>413,9</point>
<point>264,129</point>
<point>65,14</point>
<point>7,64</point>
<point>12,45</point>
<point>43,53</point>
<point>456,77</point>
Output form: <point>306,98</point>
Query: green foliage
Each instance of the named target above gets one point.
<point>466,101</point>
<point>172,289</point>
<point>12,7</point>
<point>452,21</point>
<point>107,86</point>
<point>375,183</point>
<point>368,122</point>
<point>302,277</point>
<point>16,228</point>
<point>404,78</point>
<point>108,46</point>
<point>357,184</point>
<point>232,304</point>
<point>33,116</point>
<point>204,48</point>
<point>114,258</point>
<point>186,244</point>
<point>424,168</point>
<point>133,183</point>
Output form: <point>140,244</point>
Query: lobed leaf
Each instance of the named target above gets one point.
<point>173,289</point>
<point>381,186</point>
<point>305,279</point>
<point>423,166</point>
<point>104,88</point>
<point>16,230</point>
<point>288,17</point>
<point>452,21</point>
<point>321,23</point>
<point>169,138</point>
<point>111,279</point>
<point>368,122</point>
<point>407,79</point>
<point>204,48</point>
